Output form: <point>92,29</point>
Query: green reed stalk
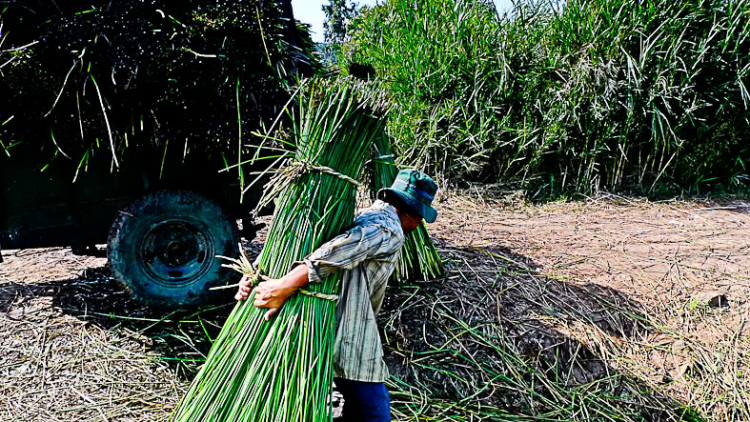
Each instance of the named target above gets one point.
<point>282,370</point>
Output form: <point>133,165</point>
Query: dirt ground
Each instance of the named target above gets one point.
<point>76,348</point>
<point>684,266</point>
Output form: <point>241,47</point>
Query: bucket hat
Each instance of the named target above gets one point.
<point>417,190</point>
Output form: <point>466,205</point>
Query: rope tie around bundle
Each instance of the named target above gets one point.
<point>297,168</point>
<point>290,170</point>
<point>318,295</point>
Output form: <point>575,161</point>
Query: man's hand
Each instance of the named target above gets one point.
<point>272,293</point>
<point>244,291</point>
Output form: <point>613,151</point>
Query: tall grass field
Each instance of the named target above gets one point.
<point>578,96</point>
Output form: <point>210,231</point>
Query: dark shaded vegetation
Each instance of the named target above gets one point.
<point>81,79</point>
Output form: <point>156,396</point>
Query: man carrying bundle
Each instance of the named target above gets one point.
<point>367,254</point>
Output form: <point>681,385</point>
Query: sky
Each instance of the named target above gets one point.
<point>311,11</point>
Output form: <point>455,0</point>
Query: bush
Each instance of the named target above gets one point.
<point>82,76</point>
<point>600,94</point>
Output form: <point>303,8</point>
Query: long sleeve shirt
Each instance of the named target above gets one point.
<point>367,255</point>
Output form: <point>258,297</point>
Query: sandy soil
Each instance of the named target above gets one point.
<point>75,347</point>
<point>683,265</point>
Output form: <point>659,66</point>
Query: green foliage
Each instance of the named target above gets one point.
<point>142,73</point>
<point>338,14</point>
<point>600,94</point>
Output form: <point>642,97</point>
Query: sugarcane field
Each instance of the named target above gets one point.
<point>375,210</point>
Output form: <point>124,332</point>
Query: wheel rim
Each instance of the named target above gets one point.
<point>176,252</point>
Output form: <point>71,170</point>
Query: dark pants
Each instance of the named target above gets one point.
<point>364,401</point>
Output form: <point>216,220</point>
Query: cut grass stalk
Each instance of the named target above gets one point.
<point>282,370</point>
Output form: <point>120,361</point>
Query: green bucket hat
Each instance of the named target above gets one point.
<point>417,190</point>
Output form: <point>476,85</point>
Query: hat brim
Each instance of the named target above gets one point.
<point>428,213</point>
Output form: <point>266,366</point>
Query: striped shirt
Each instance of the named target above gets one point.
<point>367,255</point>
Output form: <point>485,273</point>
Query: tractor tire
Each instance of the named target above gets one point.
<point>163,249</point>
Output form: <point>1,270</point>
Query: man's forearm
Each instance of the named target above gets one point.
<point>297,278</point>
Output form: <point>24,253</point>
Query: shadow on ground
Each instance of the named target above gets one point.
<point>490,339</point>
<point>494,339</point>
<point>180,337</point>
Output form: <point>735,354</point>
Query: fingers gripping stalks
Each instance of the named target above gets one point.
<point>265,296</point>
<point>269,293</point>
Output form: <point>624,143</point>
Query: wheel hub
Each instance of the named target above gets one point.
<point>176,251</point>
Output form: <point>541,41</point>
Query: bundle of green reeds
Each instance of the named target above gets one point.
<point>418,256</point>
<point>282,370</point>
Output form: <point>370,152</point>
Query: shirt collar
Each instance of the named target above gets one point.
<point>382,205</point>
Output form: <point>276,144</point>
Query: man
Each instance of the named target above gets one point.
<point>367,254</point>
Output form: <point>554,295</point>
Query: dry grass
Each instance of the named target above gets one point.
<point>57,366</point>
<point>590,293</point>
<point>660,257</point>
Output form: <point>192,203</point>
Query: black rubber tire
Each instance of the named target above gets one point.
<point>163,249</point>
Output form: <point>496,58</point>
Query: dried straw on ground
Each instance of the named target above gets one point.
<point>538,274</point>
